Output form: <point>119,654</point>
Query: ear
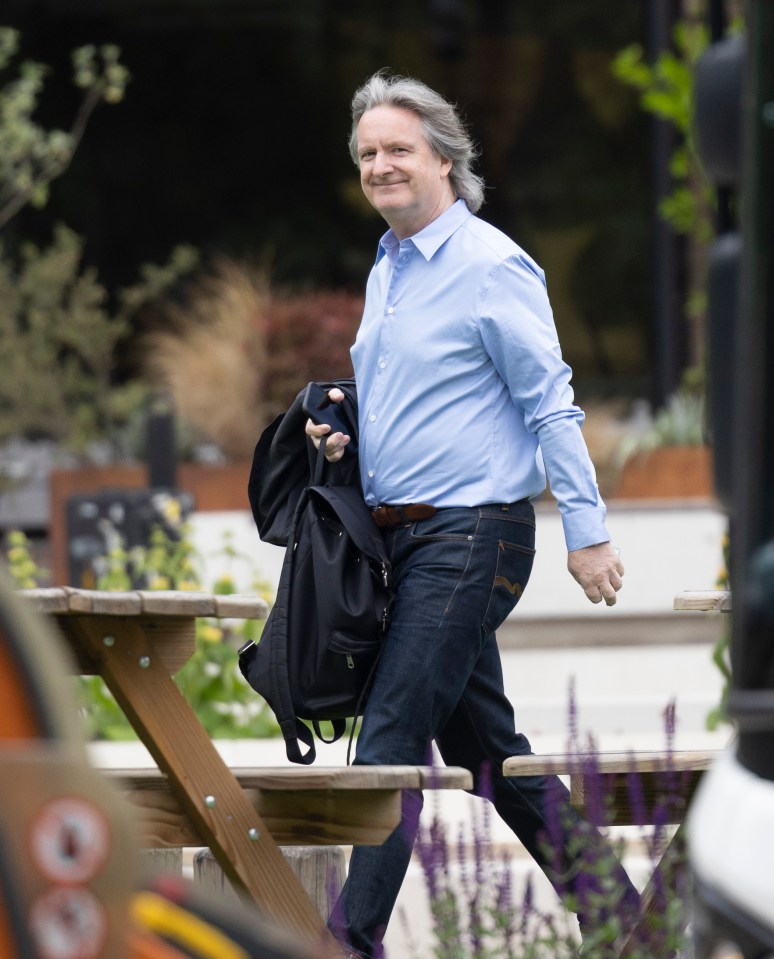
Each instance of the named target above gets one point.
<point>446,166</point>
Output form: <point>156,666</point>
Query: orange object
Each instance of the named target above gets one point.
<point>18,717</point>
<point>144,945</point>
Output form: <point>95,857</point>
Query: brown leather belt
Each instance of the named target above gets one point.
<point>387,516</point>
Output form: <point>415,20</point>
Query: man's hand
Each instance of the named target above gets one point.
<point>598,569</point>
<point>334,448</point>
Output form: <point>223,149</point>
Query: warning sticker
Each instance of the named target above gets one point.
<point>68,924</point>
<point>70,840</point>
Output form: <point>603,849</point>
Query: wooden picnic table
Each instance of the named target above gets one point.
<point>667,782</point>
<point>136,641</point>
<point>703,600</point>
<point>677,772</point>
<point>300,805</point>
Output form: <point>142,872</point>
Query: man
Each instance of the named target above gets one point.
<point>463,396</point>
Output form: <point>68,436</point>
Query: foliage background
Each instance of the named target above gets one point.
<point>232,139</point>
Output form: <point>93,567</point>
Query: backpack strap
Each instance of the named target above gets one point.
<point>293,730</point>
<point>339,728</point>
<point>319,465</point>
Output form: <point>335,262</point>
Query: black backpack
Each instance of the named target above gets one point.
<point>321,643</point>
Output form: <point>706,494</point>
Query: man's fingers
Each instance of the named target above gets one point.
<point>607,592</point>
<point>334,448</point>
<point>596,592</point>
<point>599,571</point>
<point>593,593</point>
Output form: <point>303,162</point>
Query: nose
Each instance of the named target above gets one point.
<point>382,163</point>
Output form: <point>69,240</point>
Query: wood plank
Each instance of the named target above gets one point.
<point>50,599</point>
<point>300,778</point>
<point>625,798</point>
<point>118,603</point>
<point>173,638</point>
<point>200,780</point>
<point>321,817</point>
<point>80,600</point>
<point>163,823</point>
<point>603,785</point>
<point>350,805</point>
<point>445,777</point>
<point>60,599</point>
<point>609,762</point>
<point>316,817</point>
<point>709,600</point>
<point>239,606</point>
<point>177,602</point>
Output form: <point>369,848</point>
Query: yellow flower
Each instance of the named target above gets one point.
<point>210,633</point>
<point>171,510</point>
<point>224,585</point>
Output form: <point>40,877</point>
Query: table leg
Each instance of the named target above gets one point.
<point>667,882</point>
<point>204,785</point>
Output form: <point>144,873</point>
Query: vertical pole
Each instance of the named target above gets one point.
<point>751,702</point>
<point>160,454</point>
<point>670,348</point>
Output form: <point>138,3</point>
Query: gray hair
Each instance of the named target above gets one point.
<point>443,128</point>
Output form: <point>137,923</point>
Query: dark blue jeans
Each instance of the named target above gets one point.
<point>458,574</point>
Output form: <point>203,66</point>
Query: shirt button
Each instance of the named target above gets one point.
<point>390,309</point>
<point>370,474</point>
<point>372,418</point>
<point>382,365</point>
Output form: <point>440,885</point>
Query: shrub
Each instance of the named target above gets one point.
<point>60,329</point>
<point>477,914</point>
<point>247,349</point>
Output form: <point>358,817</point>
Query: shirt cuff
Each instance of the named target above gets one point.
<point>585,527</point>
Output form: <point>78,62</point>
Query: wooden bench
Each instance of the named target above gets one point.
<point>347,805</point>
<point>667,782</point>
<point>676,773</point>
<point>310,812</point>
<point>136,641</point>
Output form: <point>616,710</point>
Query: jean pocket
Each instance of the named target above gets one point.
<point>512,572</point>
<point>450,525</point>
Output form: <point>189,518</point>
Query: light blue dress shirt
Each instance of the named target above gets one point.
<point>463,396</point>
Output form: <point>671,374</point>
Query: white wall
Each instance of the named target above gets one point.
<point>665,549</point>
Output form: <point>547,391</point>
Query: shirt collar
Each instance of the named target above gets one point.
<point>429,240</point>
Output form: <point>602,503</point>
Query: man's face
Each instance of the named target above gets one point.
<point>400,175</point>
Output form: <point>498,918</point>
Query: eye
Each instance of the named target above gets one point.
<point>367,155</point>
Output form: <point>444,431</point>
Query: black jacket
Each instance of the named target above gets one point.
<point>321,643</point>
<point>283,463</point>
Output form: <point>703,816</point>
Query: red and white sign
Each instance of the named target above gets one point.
<point>70,840</point>
<point>68,924</point>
